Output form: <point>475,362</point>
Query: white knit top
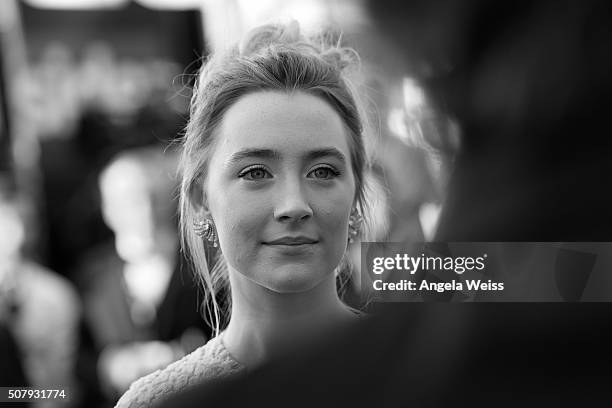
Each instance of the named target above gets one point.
<point>211,361</point>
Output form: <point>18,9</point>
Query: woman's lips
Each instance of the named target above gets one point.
<point>293,245</point>
<point>307,249</point>
<point>292,241</point>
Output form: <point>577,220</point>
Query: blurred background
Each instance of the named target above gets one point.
<point>495,111</point>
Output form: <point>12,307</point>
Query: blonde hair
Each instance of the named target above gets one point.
<point>269,58</point>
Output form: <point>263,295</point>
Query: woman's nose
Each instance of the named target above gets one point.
<point>292,204</point>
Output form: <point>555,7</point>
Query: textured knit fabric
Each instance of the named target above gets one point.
<point>211,361</point>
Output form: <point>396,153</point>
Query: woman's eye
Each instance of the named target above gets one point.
<point>255,174</point>
<point>324,173</point>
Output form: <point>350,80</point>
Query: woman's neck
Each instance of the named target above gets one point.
<point>264,322</point>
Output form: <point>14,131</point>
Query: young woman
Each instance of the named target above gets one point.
<point>272,191</point>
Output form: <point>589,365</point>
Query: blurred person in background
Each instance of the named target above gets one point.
<point>401,168</point>
<point>141,307</point>
<point>272,194</point>
<point>528,84</point>
<point>40,308</point>
<point>108,105</point>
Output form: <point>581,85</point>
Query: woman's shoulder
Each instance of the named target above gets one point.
<point>208,362</point>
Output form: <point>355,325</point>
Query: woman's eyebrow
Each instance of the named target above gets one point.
<point>275,155</point>
<point>324,152</point>
<point>249,153</point>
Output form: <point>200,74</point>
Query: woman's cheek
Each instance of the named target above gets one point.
<point>244,223</point>
<point>336,210</point>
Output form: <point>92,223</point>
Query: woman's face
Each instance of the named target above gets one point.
<point>280,189</point>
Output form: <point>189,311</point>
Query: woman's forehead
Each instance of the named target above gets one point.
<point>286,123</point>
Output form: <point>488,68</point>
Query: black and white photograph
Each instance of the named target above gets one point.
<point>305,203</point>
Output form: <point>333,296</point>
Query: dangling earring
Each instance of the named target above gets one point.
<point>355,221</point>
<point>206,229</point>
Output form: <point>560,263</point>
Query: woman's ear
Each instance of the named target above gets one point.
<point>197,197</point>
